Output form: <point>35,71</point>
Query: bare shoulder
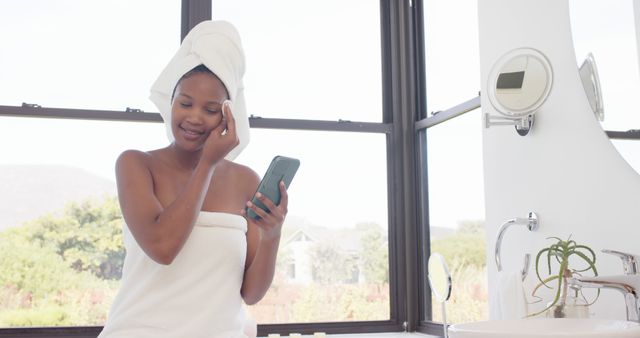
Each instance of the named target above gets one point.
<point>133,155</point>
<point>246,178</point>
<point>136,164</point>
<point>132,158</point>
<point>133,177</point>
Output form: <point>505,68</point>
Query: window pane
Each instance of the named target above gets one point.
<point>316,60</point>
<point>630,150</point>
<point>333,259</point>
<point>454,156</point>
<point>85,54</point>
<point>60,263</point>
<point>456,211</point>
<point>451,52</point>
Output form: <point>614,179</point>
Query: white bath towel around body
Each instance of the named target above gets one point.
<point>196,296</point>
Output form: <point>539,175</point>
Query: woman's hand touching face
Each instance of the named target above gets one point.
<point>223,138</point>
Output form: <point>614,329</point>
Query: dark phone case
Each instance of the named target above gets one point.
<point>282,168</point>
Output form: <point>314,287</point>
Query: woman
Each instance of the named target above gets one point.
<point>193,256</point>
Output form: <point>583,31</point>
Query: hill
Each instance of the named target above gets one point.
<point>29,191</point>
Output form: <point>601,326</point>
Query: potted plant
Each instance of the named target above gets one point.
<point>564,256</point>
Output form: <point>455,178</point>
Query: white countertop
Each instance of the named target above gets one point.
<point>372,335</point>
<point>382,335</point>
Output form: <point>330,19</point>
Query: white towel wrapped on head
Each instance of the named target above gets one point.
<point>216,45</point>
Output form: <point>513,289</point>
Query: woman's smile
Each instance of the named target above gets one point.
<point>190,133</point>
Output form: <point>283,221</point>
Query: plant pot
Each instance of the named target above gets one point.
<point>573,307</point>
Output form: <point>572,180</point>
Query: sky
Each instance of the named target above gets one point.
<point>105,55</point>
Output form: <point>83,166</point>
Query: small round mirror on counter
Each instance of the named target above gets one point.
<point>439,277</point>
<point>440,284</point>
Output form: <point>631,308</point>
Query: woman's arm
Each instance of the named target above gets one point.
<point>263,239</point>
<point>160,232</point>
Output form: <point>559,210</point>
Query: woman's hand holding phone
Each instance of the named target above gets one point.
<point>268,208</point>
<point>270,220</point>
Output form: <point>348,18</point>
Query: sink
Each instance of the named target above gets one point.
<point>546,328</point>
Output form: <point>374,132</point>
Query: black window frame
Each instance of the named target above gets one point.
<point>404,105</point>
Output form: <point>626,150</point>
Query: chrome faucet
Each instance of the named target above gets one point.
<point>628,283</point>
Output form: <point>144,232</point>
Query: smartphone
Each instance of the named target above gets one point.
<point>282,168</point>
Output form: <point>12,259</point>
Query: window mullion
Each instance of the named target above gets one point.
<point>194,12</point>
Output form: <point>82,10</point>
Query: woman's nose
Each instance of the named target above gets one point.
<point>195,117</point>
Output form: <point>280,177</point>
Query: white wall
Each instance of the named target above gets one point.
<point>566,169</point>
<point>636,16</point>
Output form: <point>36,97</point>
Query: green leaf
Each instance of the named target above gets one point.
<point>537,264</point>
<point>592,266</point>
<point>593,254</point>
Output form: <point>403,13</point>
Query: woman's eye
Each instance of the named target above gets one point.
<point>214,110</point>
<point>186,105</point>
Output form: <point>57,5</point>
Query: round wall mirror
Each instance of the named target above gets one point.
<point>520,82</point>
<point>439,278</point>
<point>591,83</point>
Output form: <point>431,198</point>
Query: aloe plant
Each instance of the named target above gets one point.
<point>560,252</point>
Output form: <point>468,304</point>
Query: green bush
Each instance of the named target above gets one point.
<point>34,270</point>
<point>88,236</point>
<point>61,270</point>
<point>42,316</point>
<point>467,246</point>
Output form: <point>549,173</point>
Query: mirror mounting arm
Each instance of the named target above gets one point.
<point>523,125</point>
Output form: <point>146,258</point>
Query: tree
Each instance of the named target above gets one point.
<point>88,236</point>
<point>374,256</point>
<point>52,269</point>
<point>33,271</point>
<point>38,288</point>
<point>330,265</point>
<point>473,227</point>
<point>466,246</point>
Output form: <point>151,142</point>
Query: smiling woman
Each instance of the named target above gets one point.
<point>187,201</point>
